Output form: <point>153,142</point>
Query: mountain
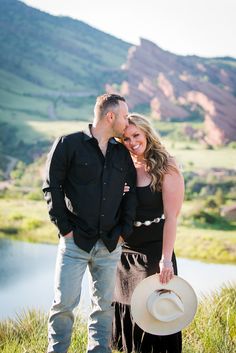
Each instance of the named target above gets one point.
<point>49,62</point>
<point>53,67</point>
<point>175,87</point>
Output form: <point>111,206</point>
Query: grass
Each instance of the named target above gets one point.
<point>213,329</point>
<point>17,84</point>
<point>192,155</point>
<point>206,242</point>
<point>73,113</point>
<point>28,220</point>
<point>20,102</point>
<point>53,129</point>
<point>216,246</point>
<point>31,128</point>
<point>28,334</point>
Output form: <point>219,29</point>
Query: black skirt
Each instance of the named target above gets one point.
<point>127,336</point>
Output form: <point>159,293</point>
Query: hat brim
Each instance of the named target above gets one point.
<point>146,321</point>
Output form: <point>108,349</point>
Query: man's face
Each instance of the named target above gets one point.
<point>121,119</point>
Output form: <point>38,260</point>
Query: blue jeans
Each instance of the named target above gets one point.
<point>70,267</point>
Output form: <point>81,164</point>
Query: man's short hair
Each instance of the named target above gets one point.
<point>106,103</point>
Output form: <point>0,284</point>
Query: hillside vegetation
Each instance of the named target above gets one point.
<point>212,330</point>
<point>52,68</point>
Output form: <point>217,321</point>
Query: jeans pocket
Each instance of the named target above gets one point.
<point>66,243</point>
<point>68,238</point>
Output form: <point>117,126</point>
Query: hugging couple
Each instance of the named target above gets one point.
<point>115,193</point>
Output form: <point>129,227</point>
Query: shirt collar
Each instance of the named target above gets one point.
<point>88,135</point>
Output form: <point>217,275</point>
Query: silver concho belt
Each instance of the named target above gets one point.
<point>148,223</point>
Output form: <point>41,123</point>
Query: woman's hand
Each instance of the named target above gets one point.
<point>166,271</point>
<point>120,240</point>
<point>126,188</point>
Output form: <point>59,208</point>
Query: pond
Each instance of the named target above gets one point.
<point>27,271</point>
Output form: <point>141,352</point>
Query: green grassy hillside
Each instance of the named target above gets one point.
<point>213,329</point>
<point>52,68</point>
<point>48,53</point>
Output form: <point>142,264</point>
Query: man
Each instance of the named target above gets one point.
<point>84,189</point>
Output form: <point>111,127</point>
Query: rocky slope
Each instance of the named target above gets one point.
<point>182,87</point>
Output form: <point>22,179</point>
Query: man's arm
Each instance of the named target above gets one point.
<point>129,202</point>
<point>53,186</point>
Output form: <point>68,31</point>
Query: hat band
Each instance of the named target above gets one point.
<point>148,223</point>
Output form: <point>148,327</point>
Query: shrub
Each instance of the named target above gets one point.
<point>9,230</point>
<point>36,195</point>
<point>19,170</point>
<point>31,223</point>
<point>204,217</point>
<point>211,203</point>
<point>232,144</point>
<point>16,216</point>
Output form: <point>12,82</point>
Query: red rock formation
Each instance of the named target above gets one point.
<point>175,85</point>
<point>229,212</point>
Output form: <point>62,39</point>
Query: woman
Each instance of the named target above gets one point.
<point>149,249</point>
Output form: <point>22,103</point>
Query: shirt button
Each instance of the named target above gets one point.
<point>104,183</point>
<point>100,232</point>
<point>104,198</point>
<point>102,215</point>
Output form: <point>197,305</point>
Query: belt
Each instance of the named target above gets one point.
<point>148,223</point>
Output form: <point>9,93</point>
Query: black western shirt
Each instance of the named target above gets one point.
<point>85,190</point>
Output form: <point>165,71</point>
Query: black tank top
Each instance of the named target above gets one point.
<point>150,206</point>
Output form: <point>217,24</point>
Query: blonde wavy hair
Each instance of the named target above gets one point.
<point>158,160</point>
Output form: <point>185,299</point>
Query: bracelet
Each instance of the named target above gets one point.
<point>166,262</point>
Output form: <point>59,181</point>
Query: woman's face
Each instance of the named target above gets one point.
<point>135,140</point>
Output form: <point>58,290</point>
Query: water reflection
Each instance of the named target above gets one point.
<point>22,261</point>
<point>206,277</point>
<point>27,271</point>
<point>26,278</point>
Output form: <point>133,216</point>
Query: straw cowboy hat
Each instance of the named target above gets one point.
<point>163,309</point>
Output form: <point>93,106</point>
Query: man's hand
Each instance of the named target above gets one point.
<point>69,235</point>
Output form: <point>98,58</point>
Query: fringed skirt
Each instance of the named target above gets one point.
<point>127,337</point>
